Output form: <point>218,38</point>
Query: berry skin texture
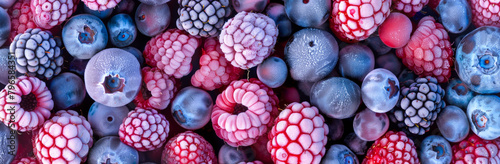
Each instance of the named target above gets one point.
<point>215,71</point>
<point>47,14</point>
<point>188,147</point>
<point>30,107</point>
<point>25,160</point>
<point>21,18</point>
<point>393,147</point>
<point>428,53</point>
<point>485,12</point>
<point>243,112</point>
<point>144,129</point>
<point>101,5</point>
<point>476,150</point>
<point>299,135</point>
<point>395,32</point>
<point>65,138</point>
<point>203,18</point>
<point>157,90</point>
<point>409,7</point>
<point>248,38</point>
<point>353,21</point>
<point>171,52</point>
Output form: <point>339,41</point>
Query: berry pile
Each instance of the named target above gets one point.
<point>249,81</point>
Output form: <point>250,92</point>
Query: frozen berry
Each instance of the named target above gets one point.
<point>307,13</point>
<point>233,155</point>
<point>409,7</point>
<point>84,35</point>
<point>453,123</point>
<point>152,20</point>
<point>370,126</point>
<point>68,90</point>
<point>485,12</point>
<point>272,72</point>
<point>276,12</point>
<point>435,149</point>
<point>192,108</point>
<point>396,30</point>
<point>157,89</point>
<point>338,154</point>
<point>110,150</point>
<point>476,150</point>
<point>47,14</point>
<point>105,120</point>
<point>122,31</point>
<point>8,150</point>
<point>144,129</point>
<point>453,21</point>
<point>325,94</point>
<point>380,90</point>
<point>483,112</point>
<point>21,18</point>
<point>188,147</point>
<point>256,6</point>
<point>101,5</point>
<point>355,61</point>
<point>393,147</point>
<point>203,18</point>
<point>5,27</point>
<point>458,93</point>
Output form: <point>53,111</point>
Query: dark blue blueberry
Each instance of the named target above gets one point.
<point>4,66</point>
<point>152,20</point>
<point>484,116</point>
<point>232,155</point>
<point>4,26</point>
<point>8,144</point>
<point>106,121</point>
<point>272,72</point>
<point>308,13</point>
<point>339,154</point>
<point>84,35</point>
<point>456,15</point>
<point>390,62</point>
<point>122,31</point>
<point>276,12</point>
<point>336,97</point>
<point>435,149</point>
<point>458,93</point>
<point>453,123</point>
<point>100,14</point>
<point>355,61</point>
<point>67,90</point>
<point>110,149</point>
<point>192,108</point>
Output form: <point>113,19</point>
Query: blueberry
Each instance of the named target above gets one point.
<point>125,6</point>
<point>355,61</point>
<point>122,31</point>
<point>308,13</point>
<point>113,77</point>
<point>390,62</point>
<point>435,149</point>
<point>272,72</point>
<point>111,150</point>
<point>192,108</point>
<point>336,128</point>
<point>276,12</point>
<point>478,61</point>
<point>8,143</point>
<point>380,90</point>
<point>152,20</point>
<point>232,155</point>
<point>4,25</point>
<point>483,112</point>
<point>339,154</point>
<point>370,126</point>
<point>311,54</point>
<point>78,66</point>
<point>376,44</point>
<point>453,123</point>
<point>84,35</point>
<point>137,53</point>
<point>6,4</point>
<point>249,5</point>
<point>356,144</point>
<point>67,90</point>
<point>336,97</point>
<point>458,93</point>
<point>456,15</point>
<point>106,121</point>
<point>100,14</point>
<point>154,2</point>
<point>4,66</point>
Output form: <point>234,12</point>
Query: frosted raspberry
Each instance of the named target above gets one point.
<point>299,135</point>
<point>248,38</point>
<point>393,147</point>
<point>29,106</point>
<point>254,162</point>
<point>356,20</point>
<point>243,111</point>
<point>25,160</point>
<point>144,129</point>
<point>101,5</point>
<point>172,52</point>
<point>21,18</point>
<point>188,147</point>
<point>65,138</point>
<point>409,7</point>
<point>50,13</point>
<point>476,150</point>
<point>215,71</point>
<point>157,89</point>
<point>428,53</point>
<point>485,12</point>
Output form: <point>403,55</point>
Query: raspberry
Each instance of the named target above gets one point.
<point>248,38</point>
<point>215,71</point>
<point>188,147</point>
<point>157,89</point>
<point>428,53</point>
<point>65,138</point>
<point>299,135</point>
<point>353,21</point>
<point>172,52</point>
<point>25,160</point>
<point>409,7</point>
<point>476,150</point>
<point>243,111</point>
<point>47,14</point>
<point>28,104</point>
<point>21,18</point>
<point>485,12</point>
<point>393,147</point>
<point>144,129</point>
<point>101,5</point>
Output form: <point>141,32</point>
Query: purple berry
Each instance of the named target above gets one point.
<point>453,124</point>
<point>306,13</point>
<point>106,121</point>
<point>192,108</point>
<point>336,128</point>
<point>458,93</point>
<point>356,144</point>
<point>336,97</point>
<point>122,31</point>
<point>380,90</point>
<point>4,25</point>
<point>8,150</point>
<point>355,61</point>
<point>435,149</point>
<point>78,66</point>
<point>113,77</point>
<point>154,2</point>
<point>390,62</point>
<point>67,90</point>
<point>276,12</point>
<point>84,35</point>
<point>125,6</point>
<point>483,112</point>
<point>232,155</point>
<point>339,154</point>
<point>111,150</point>
<point>152,20</point>
<point>272,72</point>
<point>456,15</point>
<point>370,126</point>
<point>249,5</point>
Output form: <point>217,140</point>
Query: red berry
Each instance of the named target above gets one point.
<point>101,5</point>
<point>188,147</point>
<point>485,12</point>
<point>476,150</point>
<point>393,147</point>
<point>25,160</point>
<point>47,14</point>
<point>396,30</point>
<point>144,129</point>
<point>21,18</point>
<point>409,7</point>
<point>157,90</point>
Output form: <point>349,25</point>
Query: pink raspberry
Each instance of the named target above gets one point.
<point>172,52</point>
<point>393,147</point>
<point>188,147</point>
<point>356,20</point>
<point>157,90</point>
<point>474,149</point>
<point>428,53</point>
<point>409,7</point>
<point>21,18</point>
<point>299,135</point>
<point>485,12</point>
<point>144,129</point>
<point>30,106</point>
<point>101,5</point>
<point>50,13</point>
<point>65,138</point>
<point>25,160</point>
<point>243,111</point>
<point>248,38</point>
<point>215,71</point>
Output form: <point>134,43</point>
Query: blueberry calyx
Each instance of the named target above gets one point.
<point>439,149</point>
<point>87,36</point>
<point>113,84</point>
<point>487,62</point>
<point>123,36</point>
<point>480,120</point>
<point>461,89</point>
<point>393,89</point>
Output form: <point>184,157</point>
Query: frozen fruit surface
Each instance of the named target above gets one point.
<point>339,154</point>
<point>198,149</point>
<point>396,30</point>
<point>8,152</point>
<point>435,149</point>
<point>393,147</point>
<point>144,129</point>
<point>122,30</point>
<point>308,13</point>
<point>370,126</point>
<point>111,150</point>
<point>106,121</point>
<point>483,112</point>
<point>337,97</point>
<point>355,61</point>
<point>380,90</point>
<point>192,108</point>
<point>203,18</point>
<point>101,5</point>
<point>272,72</point>
<point>453,124</point>
<point>157,89</point>
<point>152,20</point>
<point>47,14</point>
<point>84,35</point>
